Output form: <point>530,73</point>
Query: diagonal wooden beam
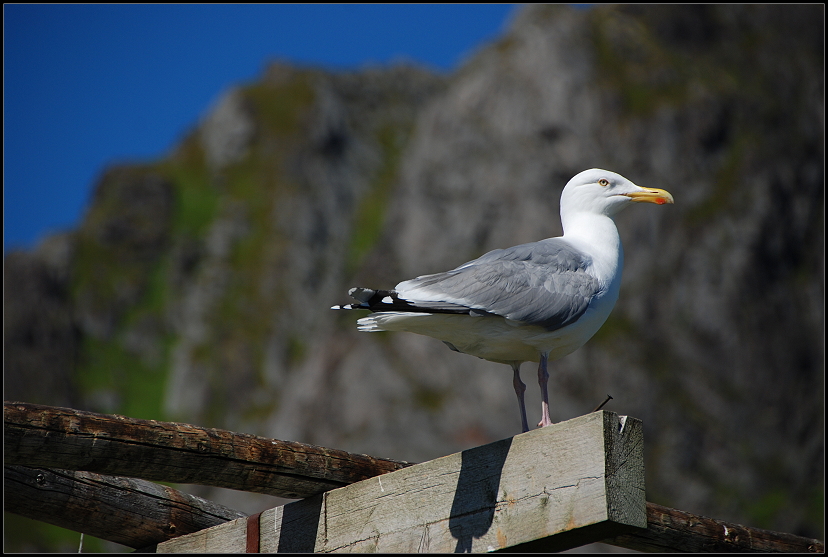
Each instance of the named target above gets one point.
<point>128,511</point>
<point>674,530</point>
<point>51,437</point>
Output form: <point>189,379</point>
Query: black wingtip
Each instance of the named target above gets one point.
<point>364,295</point>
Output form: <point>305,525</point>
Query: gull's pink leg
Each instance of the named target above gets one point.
<point>520,388</point>
<point>543,379</point>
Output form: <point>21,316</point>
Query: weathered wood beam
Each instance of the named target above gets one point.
<point>673,530</point>
<point>51,437</point>
<point>549,489</point>
<point>131,512</point>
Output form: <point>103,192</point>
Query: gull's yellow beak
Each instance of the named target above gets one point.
<point>647,195</point>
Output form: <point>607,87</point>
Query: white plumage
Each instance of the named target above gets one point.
<point>533,302</point>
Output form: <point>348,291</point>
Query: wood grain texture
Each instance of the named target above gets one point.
<point>132,512</point>
<point>674,530</point>
<point>51,437</point>
<point>550,489</point>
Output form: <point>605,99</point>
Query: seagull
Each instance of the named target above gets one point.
<point>535,302</point>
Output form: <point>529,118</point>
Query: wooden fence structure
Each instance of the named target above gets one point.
<point>549,489</point>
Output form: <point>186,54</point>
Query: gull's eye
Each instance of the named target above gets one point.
<point>604,182</point>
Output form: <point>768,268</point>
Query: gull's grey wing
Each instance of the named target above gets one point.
<point>543,283</point>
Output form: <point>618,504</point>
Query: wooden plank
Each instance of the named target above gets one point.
<point>230,537</point>
<point>673,530</point>
<point>549,489</point>
<point>50,437</point>
<point>131,512</point>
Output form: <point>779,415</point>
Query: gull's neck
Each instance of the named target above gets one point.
<point>597,236</point>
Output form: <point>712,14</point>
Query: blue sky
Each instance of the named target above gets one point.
<point>86,86</point>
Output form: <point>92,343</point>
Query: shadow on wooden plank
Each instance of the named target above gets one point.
<point>300,525</point>
<point>475,499</point>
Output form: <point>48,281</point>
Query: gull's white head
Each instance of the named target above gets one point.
<point>603,192</point>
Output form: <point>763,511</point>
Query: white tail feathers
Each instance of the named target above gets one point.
<point>369,324</point>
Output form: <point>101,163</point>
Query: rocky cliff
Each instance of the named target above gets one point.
<point>197,287</point>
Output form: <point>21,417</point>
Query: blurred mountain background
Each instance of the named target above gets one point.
<point>197,287</point>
